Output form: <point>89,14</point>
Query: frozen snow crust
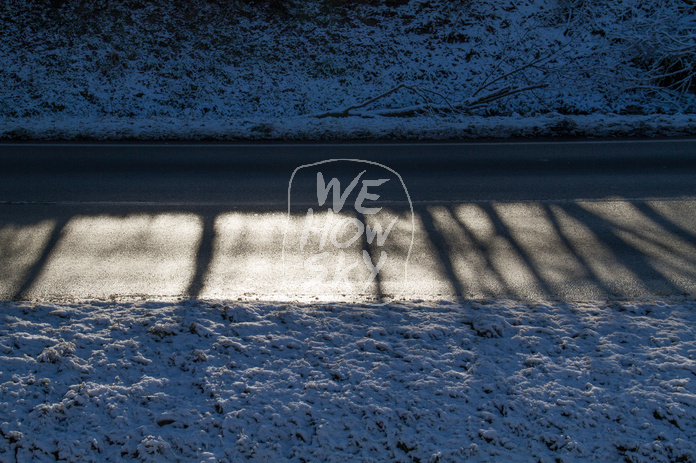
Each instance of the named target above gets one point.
<point>474,381</point>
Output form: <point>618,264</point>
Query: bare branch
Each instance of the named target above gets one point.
<point>448,109</point>
<point>509,92</point>
<point>428,106</point>
<point>346,112</point>
<point>515,71</point>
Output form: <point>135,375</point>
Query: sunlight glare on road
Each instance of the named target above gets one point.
<point>138,254</point>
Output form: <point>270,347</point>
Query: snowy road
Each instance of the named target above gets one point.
<point>575,220</point>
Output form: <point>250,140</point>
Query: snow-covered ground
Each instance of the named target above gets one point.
<point>474,381</point>
<point>265,69</point>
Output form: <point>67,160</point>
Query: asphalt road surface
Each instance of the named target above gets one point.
<point>530,220</point>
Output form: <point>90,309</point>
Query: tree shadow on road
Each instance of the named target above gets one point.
<point>460,256</point>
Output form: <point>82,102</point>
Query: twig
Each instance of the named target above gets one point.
<point>346,112</point>
<point>498,95</point>
<point>448,109</point>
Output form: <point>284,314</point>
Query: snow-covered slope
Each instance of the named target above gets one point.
<point>220,69</point>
